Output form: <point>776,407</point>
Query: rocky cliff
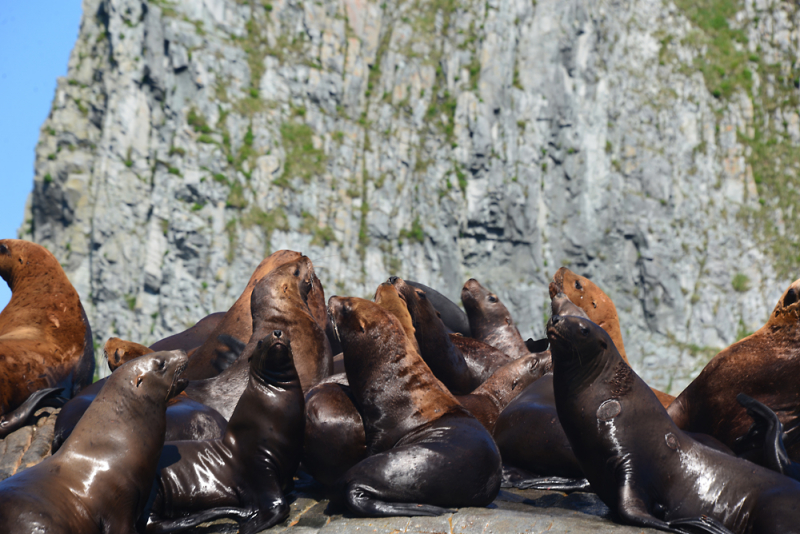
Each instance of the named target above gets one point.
<point>646,144</point>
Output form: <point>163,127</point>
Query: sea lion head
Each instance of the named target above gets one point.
<point>16,254</point>
<point>417,303</point>
<point>561,305</point>
<point>787,310</point>
<point>483,307</point>
<point>359,321</point>
<point>292,278</point>
<point>155,375</point>
<point>119,351</point>
<point>577,345</point>
<point>273,358</point>
<point>388,298</point>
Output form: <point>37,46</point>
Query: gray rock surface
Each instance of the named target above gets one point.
<point>436,140</point>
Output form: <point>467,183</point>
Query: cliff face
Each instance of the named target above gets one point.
<point>642,143</point>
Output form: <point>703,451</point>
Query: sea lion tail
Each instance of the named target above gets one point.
<point>363,499</point>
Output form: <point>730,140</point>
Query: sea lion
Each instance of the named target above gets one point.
<point>119,351</point>
<point>636,458</point>
<point>426,451</point>
<point>451,315</point>
<point>599,308</point>
<point>490,321</point>
<point>243,475</point>
<point>759,366</point>
<point>45,337</point>
<point>278,302</point>
<point>767,429</point>
<point>436,347</point>
<point>98,481</point>
<point>388,298</point>
<point>238,321</point>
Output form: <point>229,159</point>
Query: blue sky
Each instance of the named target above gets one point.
<point>36,37</point>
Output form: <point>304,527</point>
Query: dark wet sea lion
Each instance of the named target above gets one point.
<point>639,462</point>
<point>192,337</point>
<point>757,366</point>
<point>599,308</point>
<point>490,321</point>
<point>451,315</point>
<point>98,482</point>
<point>238,321</point>
<point>243,475</point>
<point>437,350</point>
<point>278,302</point>
<point>426,451</point>
<point>45,337</point>
<point>767,427</point>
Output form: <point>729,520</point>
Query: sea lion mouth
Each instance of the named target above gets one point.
<point>178,383</point>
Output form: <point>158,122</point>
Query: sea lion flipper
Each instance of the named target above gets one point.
<point>537,345</point>
<point>699,524</point>
<point>553,484</point>
<point>11,421</point>
<point>364,500</point>
<point>165,526</point>
<point>768,429</point>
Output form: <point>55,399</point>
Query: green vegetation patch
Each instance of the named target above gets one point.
<point>302,159</point>
<point>741,282</point>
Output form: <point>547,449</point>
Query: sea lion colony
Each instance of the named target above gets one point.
<point>426,408</point>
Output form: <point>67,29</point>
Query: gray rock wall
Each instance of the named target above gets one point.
<point>437,140</point>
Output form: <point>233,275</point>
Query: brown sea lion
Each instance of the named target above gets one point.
<point>388,298</point>
<point>119,351</point>
<point>446,361</point>
<point>238,321</point>
<point>45,337</point>
<point>426,451</point>
<point>242,475</point>
<point>647,470</point>
<point>278,302</point>
<point>490,321</point>
<point>761,366</point>
<point>599,308</point>
<point>98,482</point>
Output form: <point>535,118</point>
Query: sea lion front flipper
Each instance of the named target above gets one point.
<point>554,484</point>
<point>224,359</point>
<point>767,424</point>
<point>699,524</point>
<point>633,510</point>
<point>364,500</point>
<point>266,518</point>
<point>13,420</point>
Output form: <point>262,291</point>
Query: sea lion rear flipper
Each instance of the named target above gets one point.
<point>554,484</point>
<point>768,429</point>
<point>362,499</point>
<point>13,420</point>
<point>538,345</point>
<point>225,359</point>
<point>164,526</point>
<point>699,524</point>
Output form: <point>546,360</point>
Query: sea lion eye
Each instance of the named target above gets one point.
<point>421,294</point>
<point>3,249</point>
<point>161,364</point>
<point>578,286</point>
<point>492,298</point>
<point>584,330</point>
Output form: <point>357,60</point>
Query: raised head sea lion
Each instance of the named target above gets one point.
<point>760,366</point>
<point>646,470</point>
<point>238,321</point>
<point>45,338</point>
<point>279,301</point>
<point>451,315</point>
<point>388,298</point>
<point>445,360</point>
<point>599,308</point>
<point>242,475</point>
<point>490,321</point>
<point>100,479</point>
<point>426,452</point>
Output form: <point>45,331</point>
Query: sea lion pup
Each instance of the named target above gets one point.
<point>447,362</point>
<point>45,337</point>
<point>243,475</point>
<point>599,308</point>
<point>279,301</point>
<point>647,470</point>
<point>238,321</point>
<point>451,315</point>
<point>99,482</point>
<point>762,366</point>
<point>426,451</point>
<point>490,321</point>
<point>187,419</point>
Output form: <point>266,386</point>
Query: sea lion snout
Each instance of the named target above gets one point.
<point>277,333</point>
<point>562,305</point>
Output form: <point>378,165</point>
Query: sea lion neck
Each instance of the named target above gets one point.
<point>272,363</point>
<point>582,353</point>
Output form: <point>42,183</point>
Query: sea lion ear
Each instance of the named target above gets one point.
<point>603,343</point>
<point>361,324</point>
<point>3,249</point>
<point>139,379</point>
